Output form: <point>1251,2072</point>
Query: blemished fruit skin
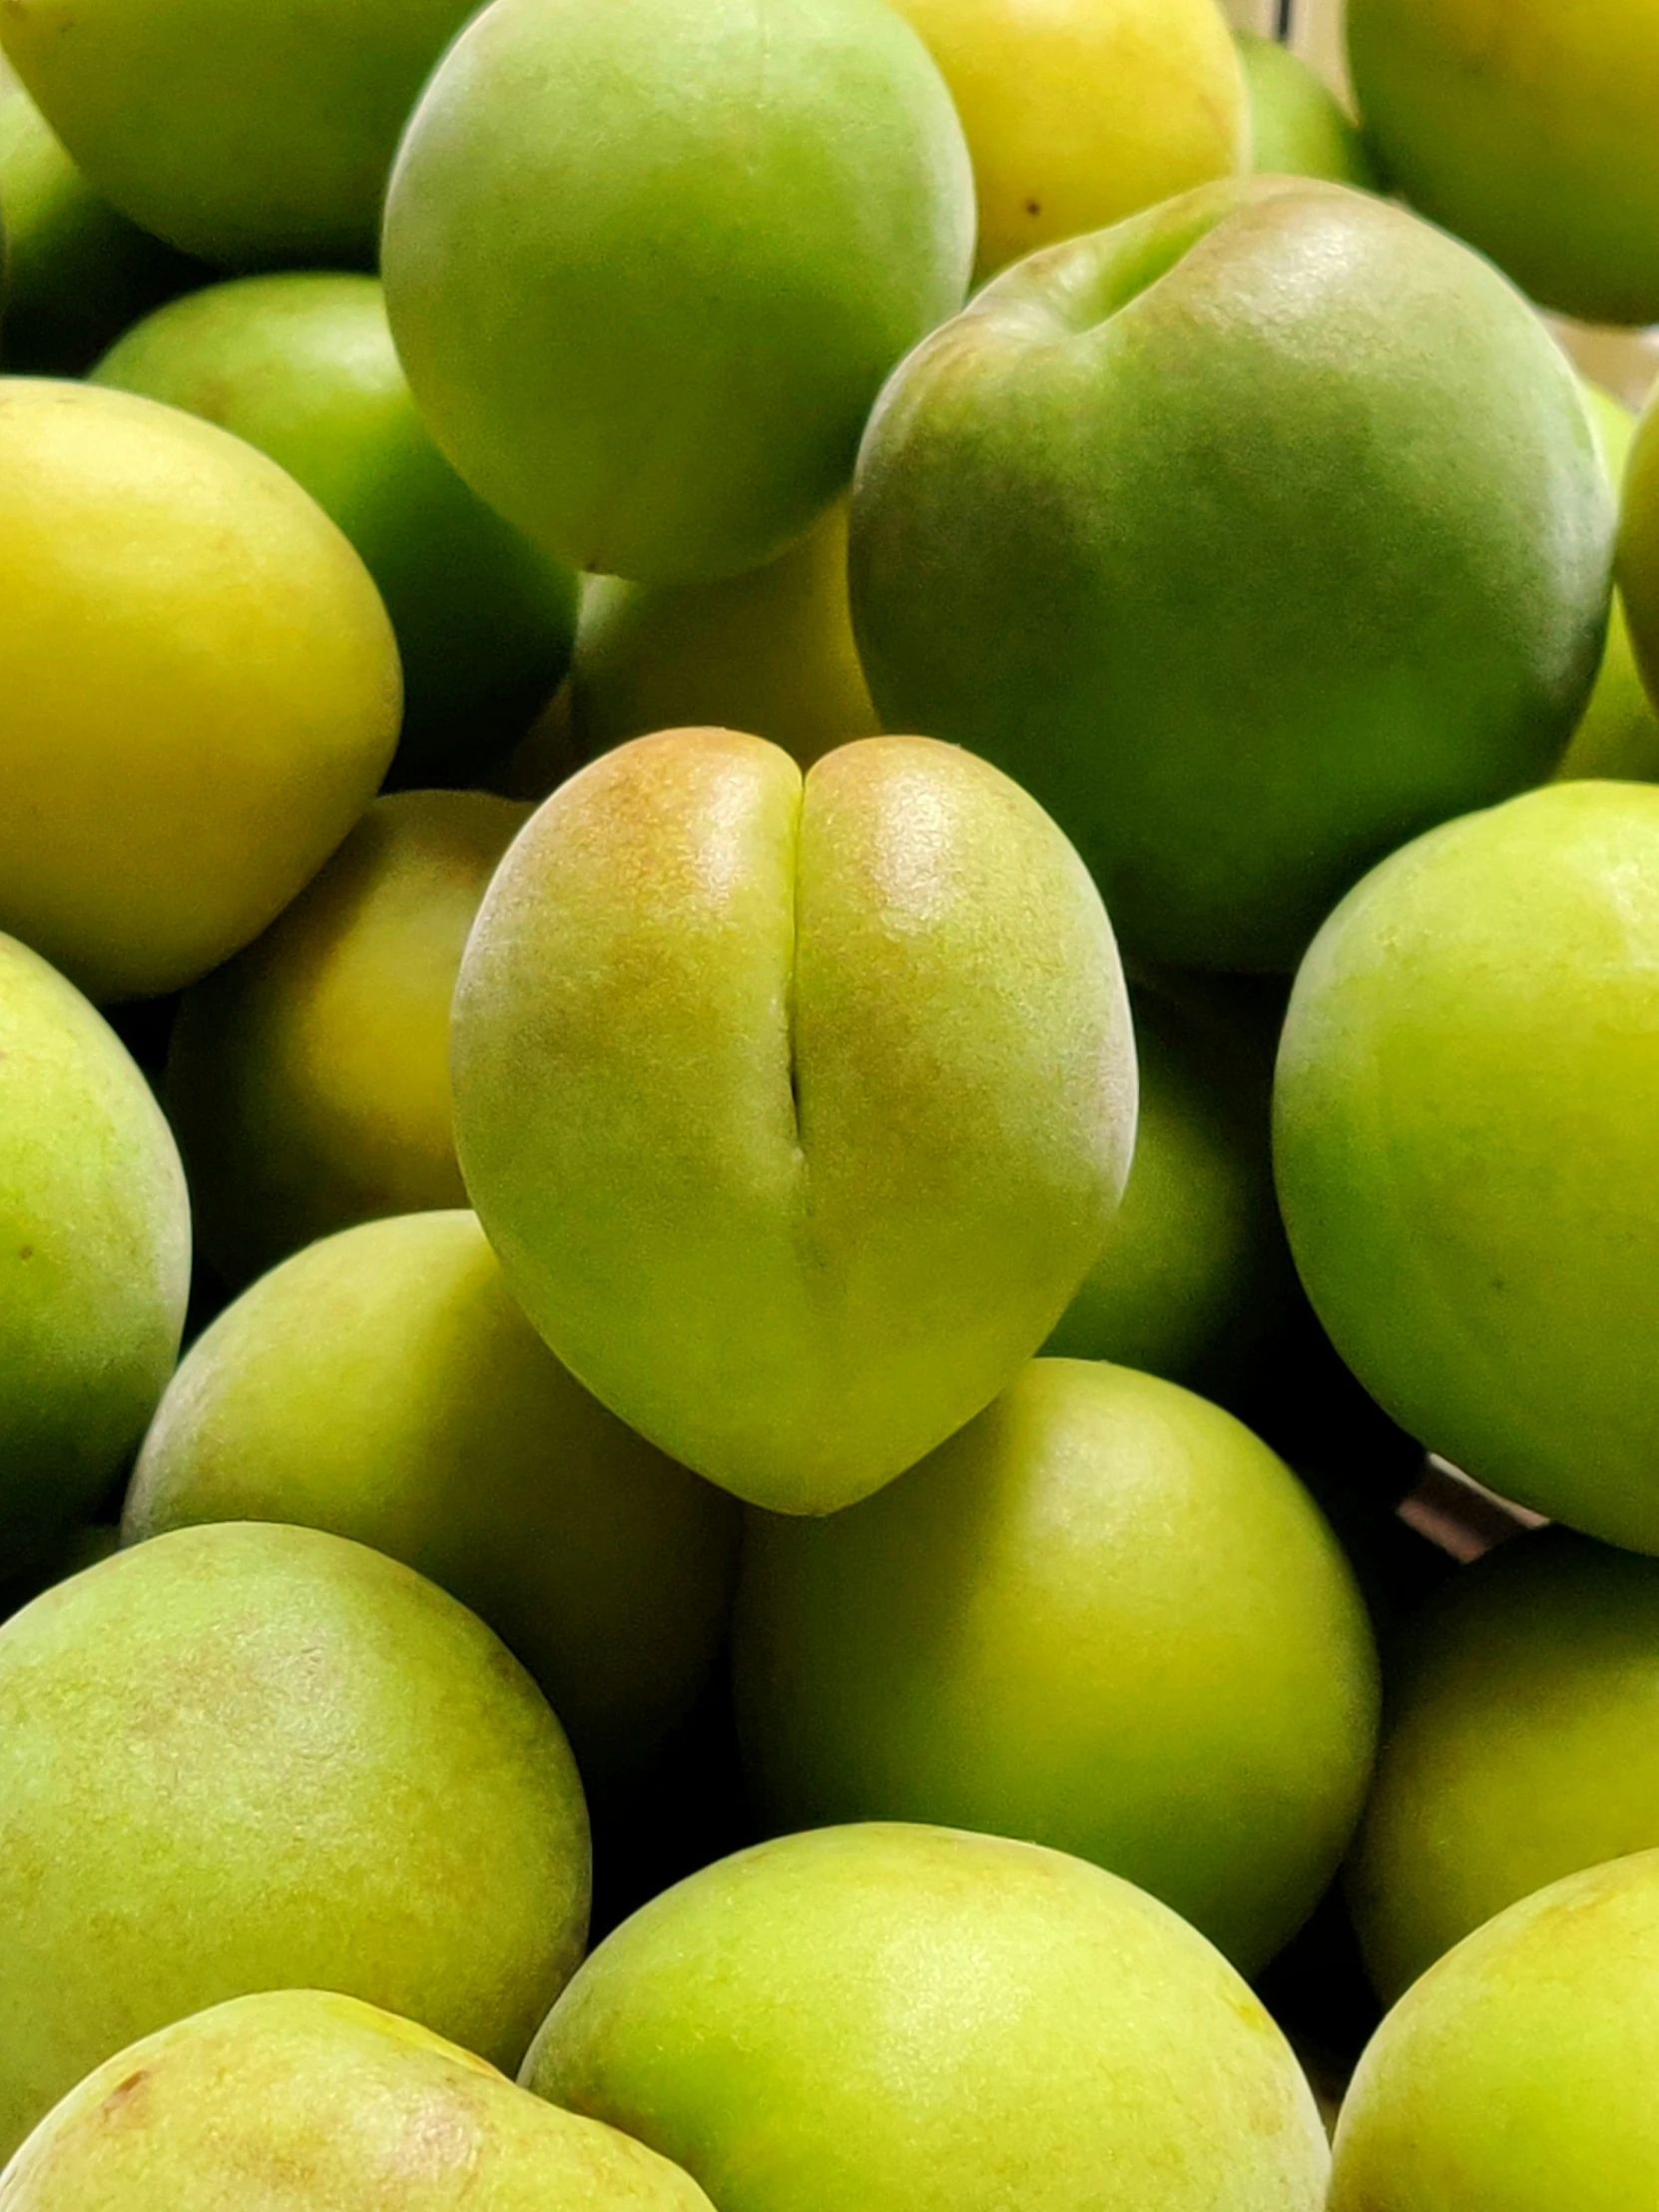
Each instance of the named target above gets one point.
<point>202,689</point>
<point>896,2019</point>
<point>384,1384</point>
<point>95,1250</point>
<point>308,1078</point>
<point>795,1108</point>
<point>1638,561</point>
<point>243,130</point>
<point>246,1758</point>
<point>1298,128</point>
<point>1517,2074</point>
<point>1253,536</point>
<point>1078,113</point>
<point>1527,127</point>
<point>647,267</point>
<point>303,367</point>
<point>1618,736</point>
<point>319,2103</point>
<point>1466,1116</point>
<point>1101,1599</point>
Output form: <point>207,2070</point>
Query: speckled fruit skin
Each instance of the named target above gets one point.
<point>1527,129</point>
<point>795,1110</point>
<point>1465,1123</point>
<point>1517,2074</point>
<point>1618,735</point>
<point>1253,536</point>
<point>94,1256</point>
<point>1102,1599</point>
<point>647,267</point>
<point>384,1384</point>
<point>248,1758</point>
<point>1297,126</point>
<point>335,2105</point>
<point>891,2018</point>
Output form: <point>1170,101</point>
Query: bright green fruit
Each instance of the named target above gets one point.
<point>384,1386</point>
<point>646,265</point>
<point>251,1757</point>
<point>302,366</point>
<point>1466,1119</point>
<point>1517,2075</point>
<point>247,130</point>
<point>1619,734</point>
<point>1527,127</point>
<point>1297,127</point>
<point>94,1256</point>
<point>322,2104</point>
<point>795,1111</point>
<point>308,1078</point>
<point>1102,1599</point>
<point>1253,537</point>
<point>888,2018</point>
<point>1639,546</point>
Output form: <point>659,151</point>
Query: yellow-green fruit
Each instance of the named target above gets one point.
<point>384,1384</point>
<point>301,2102</point>
<point>1638,561</point>
<point>308,1078</point>
<point>1619,734</point>
<point>200,687</point>
<point>1079,112</point>
<point>1298,128</point>
<point>248,1758</point>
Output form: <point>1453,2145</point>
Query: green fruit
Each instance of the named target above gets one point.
<point>1620,733</point>
<point>1297,127</point>
<point>907,2020</point>
<point>795,1112</point>
<point>1253,536</point>
<point>647,267</point>
<point>1101,1599</point>
<point>302,366</point>
<point>1466,1116</point>
<point>1517,2075</point>
<point>1639,546</point>
<point>252,1758</point>
<point>384,1386</point>
<point>94,1256</point>
<point>322,2104</point>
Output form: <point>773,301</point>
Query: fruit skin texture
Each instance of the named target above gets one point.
<point>1465,1117</point>
<point>322,2104</point>
<point>303,367</point>
<point>249,1758</point>
<point>184,630</point>
<point>1253,537</point>
<point>1527,129</point>
<point>1517,2074</point>
<point>647,267</point>
<point>1638,564</point>
<point>383,1385</point>
<point>795,1114</point>
<point>1620,733</point>
<point>308,1078</point>
<point>94,1255</point>
<point>1078,113</point>
<point>864,2018</point>
<point>1297,126</point>
<point>1102,1599</point>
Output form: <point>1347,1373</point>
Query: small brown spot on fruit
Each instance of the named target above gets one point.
<point>1034,207</point>
<point>114,2106</point>
<point>25,1252</point>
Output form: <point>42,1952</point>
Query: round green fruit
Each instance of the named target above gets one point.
<point>1297,127</point>
<point>1639,543</point>
<point>1620,733</point>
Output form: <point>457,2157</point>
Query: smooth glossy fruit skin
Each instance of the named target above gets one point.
<point>1298,128</point>
<point>322,2104</point>
<point>248,1758</point>
<point>1619,734</point>
<point>1638,562</point>
<point>308,1078</point>
<point>303,367</point>
<point>1517,2074</point>
<point>876,2018</point>
<point>1527,127</point>
<point>1101,1600</point>
<point>795,1111</point>
<point>1253,537</point>
<point>383,1385</point>
<point>239,130</point>
<point>1078,113</point>
<point>1465,1120</point>
<point>95,1253</point>
<point>201,688</point>
<point>647,267</point>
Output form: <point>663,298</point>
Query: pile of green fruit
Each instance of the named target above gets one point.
<point>828,885</point>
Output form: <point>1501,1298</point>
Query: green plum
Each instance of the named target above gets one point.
<point>646,265</point>
<point>1253,536</point>
<point>1620,733</point>
<point>1298,125</point>
<point>891,2018</point>
<point>795,1108</point>
<point>1639,546</point>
